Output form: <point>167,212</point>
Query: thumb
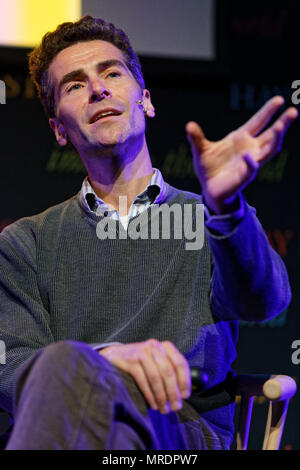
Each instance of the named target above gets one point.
<point>195,136</point>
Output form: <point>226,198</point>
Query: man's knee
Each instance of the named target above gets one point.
<point>63,351</point>
<point>63,364</point>
<point>70,355</point>
<point>65,360</point>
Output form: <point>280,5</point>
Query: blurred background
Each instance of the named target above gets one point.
<point>216,62</point>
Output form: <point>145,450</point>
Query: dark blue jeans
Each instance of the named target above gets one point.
<point>68,396</point>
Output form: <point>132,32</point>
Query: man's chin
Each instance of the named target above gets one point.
<point>106,141</point>
<point>105,147</point>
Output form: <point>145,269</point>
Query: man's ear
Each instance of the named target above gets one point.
<point>150,110</point>
<point>59,131</point>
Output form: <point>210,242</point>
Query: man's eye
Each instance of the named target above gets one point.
<point>114,74</point>
<point>76,86</point>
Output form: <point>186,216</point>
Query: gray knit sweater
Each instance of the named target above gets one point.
<point>59,281</point>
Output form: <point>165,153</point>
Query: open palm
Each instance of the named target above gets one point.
<point>227,166</point>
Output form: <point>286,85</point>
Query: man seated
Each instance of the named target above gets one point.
<point>101,322</point>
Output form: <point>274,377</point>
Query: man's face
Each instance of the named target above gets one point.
<point>95,97</point>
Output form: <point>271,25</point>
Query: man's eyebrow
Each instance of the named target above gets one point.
<point>100,67</point>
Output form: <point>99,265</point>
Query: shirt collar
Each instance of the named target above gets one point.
<point>154,192</point>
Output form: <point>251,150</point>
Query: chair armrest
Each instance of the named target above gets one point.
<point>251,384</point>
<point>279,387</point>
<point>273,387</point>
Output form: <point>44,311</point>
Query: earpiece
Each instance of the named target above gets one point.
<point>141,104</point>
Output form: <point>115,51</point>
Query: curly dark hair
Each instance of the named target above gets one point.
<point>67,34</point>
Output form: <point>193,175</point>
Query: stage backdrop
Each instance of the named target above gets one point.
<point>254,62</point>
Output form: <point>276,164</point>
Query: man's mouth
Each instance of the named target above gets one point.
<point>104,113</point>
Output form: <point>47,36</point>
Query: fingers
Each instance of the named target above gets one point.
<point>271,140</point>
<point>134,358</point>
<point>143,382</point>
<point>195,136</point>
<point>181,367</point>
<point>164,381</point>
<point>159,369</point>
<point>155,377</point>
<point>259,121</point>
<point>168,375</point>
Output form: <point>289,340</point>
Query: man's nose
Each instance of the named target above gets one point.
<point>98,90</point>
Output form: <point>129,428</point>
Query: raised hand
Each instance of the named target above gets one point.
<point>227,166</point>
<point>161,372</point>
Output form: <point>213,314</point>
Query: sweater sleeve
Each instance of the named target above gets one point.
<point>24,319</point>
<point>249,280</point>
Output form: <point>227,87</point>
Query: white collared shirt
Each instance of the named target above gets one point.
<point>142,201</point>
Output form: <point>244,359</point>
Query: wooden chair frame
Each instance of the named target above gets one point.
<point>278,390</point>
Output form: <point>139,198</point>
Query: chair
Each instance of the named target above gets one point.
<point>277,389</point>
